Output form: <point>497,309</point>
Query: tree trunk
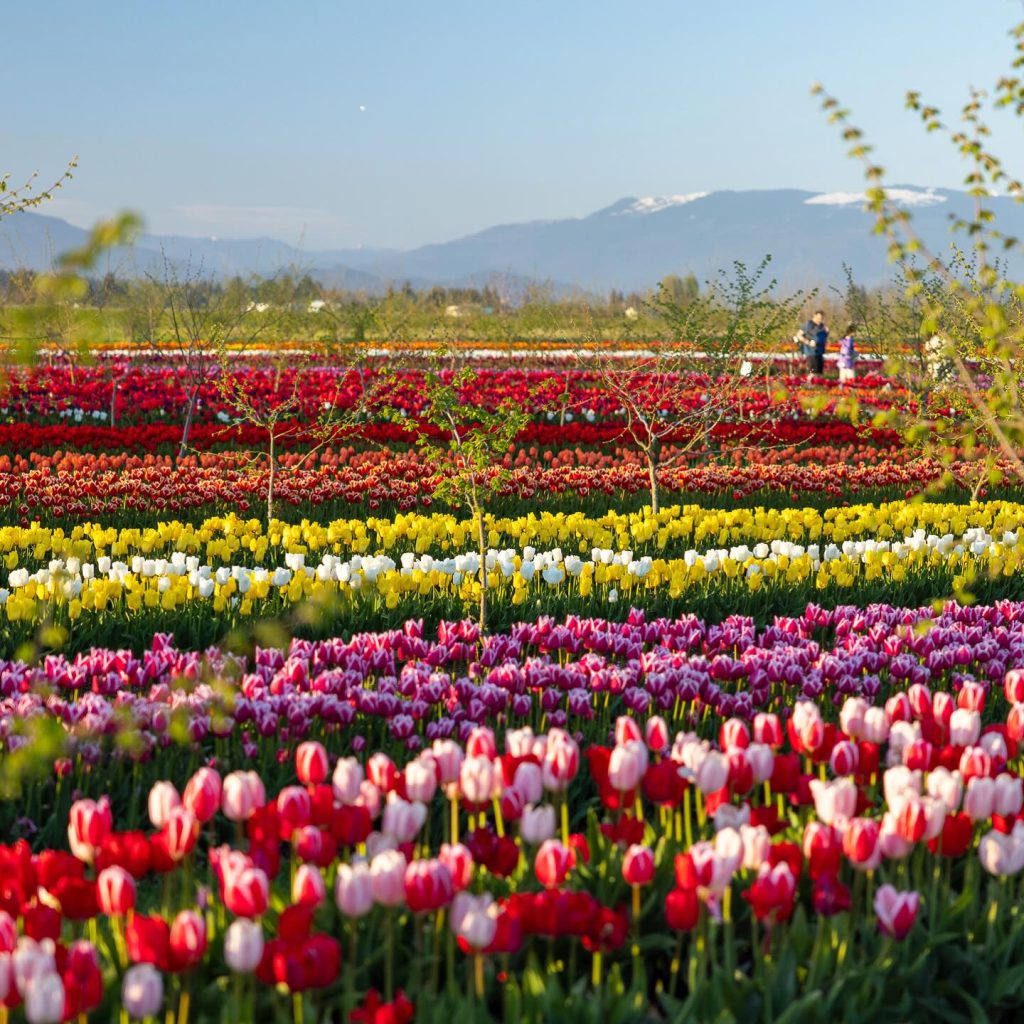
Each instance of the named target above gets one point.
<point>652,476</point>
<point>189,412</point>
<point>482,546</point>
<point>270,480</point>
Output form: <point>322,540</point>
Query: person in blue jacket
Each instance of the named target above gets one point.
<point>816,334</point>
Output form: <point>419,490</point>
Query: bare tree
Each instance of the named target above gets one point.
<point>706,353</point>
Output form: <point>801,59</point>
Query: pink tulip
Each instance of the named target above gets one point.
<point>964,727</point>
<point>243,946</point>
<point>475,919</point>
<point>656,734</point>
<point>247,892</point>
<point>477,779</point>
<point>761,761</point>
<point>876,725</point>
<point>428,885</point>
<point>89,823</point>
<point>459,862</point>
<point>387,873</point>
<point>1013,686</point>
<point>768,729</point>
<point>561,761</point>
<point>353,889</point>
<point>733,735</point>
<point>181,830</point>
<point>1007,795</point>
<point>627,765</point>
<point>163,798</point>
<point>311,763</point>
<point>421,778</point>
<point>712,773</point>
<point>896,911</point>
<point>449,757</point>
<point>202,794</point>
<point>529,780</point>
<point>242,793</point>
<point>293,808</point>
<point>346,780</point>
<point>552,863</point>
<point>860,843</point>
<point>627,730</point>
<point>402,820</point>
<point>115,891</point>
<point>142,991</point>
<point>844,758</point>
<point>834,801</point>
<point>481,743</point>
<point>537,824</point>
<point>638,865</point>
<point>308,888</point>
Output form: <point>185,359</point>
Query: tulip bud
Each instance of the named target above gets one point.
<point>402,820</point>
<point>294,809</point>
<point>188,938</point>
<point>476,779</point>
<point>243,945</point>
<point>733,735</point>
<point>537,824</point>
<point>529,781</point>
<point>475,919</point>
<point>844,758</point>
<point>311,763</point>
<point>561,761</point>
<point>346,780</point>
<point>44,999</point>
<point>971,697</point>
<point>181,829</point>
<point>552,864</point>
<point>1013,686</point>
<point>142,991</point>
<point>387,871</point>
<point>421,779</point>
<point>448,755</point>
<point>481,743</point>
<point>860,844</point>
<point>308,888</point>
<point>627,765</point>
<point>1007,795</point>
<point>712,773</point>
<point>627,730</point>
<point>638,865</point>
<point>115,891</point>
<point>163,798</point>
<point>964,727</point>
<point>768,729</point>
<point>428,885</point>
<point>896,911</point>
<point>381,771</point>
<point>203,794</point>
<point>242,793</point>
<point>247,892</point>
<point>353,889</point>
<point>459,862</point>
<point>89,823</point>
<point>656,734</point>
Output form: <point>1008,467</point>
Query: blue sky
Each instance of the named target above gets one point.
<point>243,118</point>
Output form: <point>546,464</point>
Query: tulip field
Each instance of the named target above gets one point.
<point>292,733</point>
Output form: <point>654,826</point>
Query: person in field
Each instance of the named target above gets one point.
<point>813,338</point>
<point>848,357</point>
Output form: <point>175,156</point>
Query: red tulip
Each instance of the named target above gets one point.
<point>638,865</point>
<point>552,864</point>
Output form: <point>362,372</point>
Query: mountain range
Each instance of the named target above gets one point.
<point>629,245</point>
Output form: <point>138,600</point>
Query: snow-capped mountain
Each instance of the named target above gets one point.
<point>630,244</point>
